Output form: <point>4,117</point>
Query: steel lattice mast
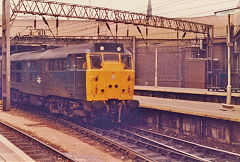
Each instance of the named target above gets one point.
<point>58,9</point>
<point>6,55</point>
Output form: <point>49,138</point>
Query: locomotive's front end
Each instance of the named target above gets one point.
<point>110,82</point>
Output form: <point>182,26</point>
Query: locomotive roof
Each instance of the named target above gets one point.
<point>57,53</point>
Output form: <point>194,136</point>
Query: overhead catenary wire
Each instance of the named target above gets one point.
<point>171,4</point>
<point>45,21</point>
<point>64,26</point>
<point>197,7</point>
<point>119,28</point>
<point>155,33</point>
<point>68,30</point>
<point>94,26</point>
<point>198,13</point>
<point>82,29</point>
<point>153,4</point>
<point>139,30</point>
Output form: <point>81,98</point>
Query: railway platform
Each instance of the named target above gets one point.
<point>204,120</point>
<point>9,152</point>
<point>192,94</point>
<point>203,109</point>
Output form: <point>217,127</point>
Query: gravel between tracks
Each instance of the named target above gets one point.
<point>59,137</point>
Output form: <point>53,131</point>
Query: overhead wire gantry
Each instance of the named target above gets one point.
<point>58,9</point>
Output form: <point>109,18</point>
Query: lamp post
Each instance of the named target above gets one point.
<point>229,87</point>
<point>156,64</point>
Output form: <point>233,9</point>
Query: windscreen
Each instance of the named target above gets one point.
<point>126,61</point>
<point>111,57</point>
<point>96,61</point>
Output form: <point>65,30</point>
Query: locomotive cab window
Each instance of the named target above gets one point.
<point>76,62</point>
<point>111,57</point>
<point>71,61</point>
<point>96,61</point>
<point>126,61</point>
<point>81,62</point>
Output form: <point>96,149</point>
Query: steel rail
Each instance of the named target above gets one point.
<point>95,136</point>
<point>58,9</point>
<point>142,138</point>
<point>174,140</point>
<point>38,142</point>
<point>153,145</point>
<point>107,137</point>
<point>113,140</point>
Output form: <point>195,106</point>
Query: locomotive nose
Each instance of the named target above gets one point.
<point>112,82</point>
<point>111,85</point>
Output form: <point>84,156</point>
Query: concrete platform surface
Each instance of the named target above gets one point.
<point>10,153</point>
<point>56,135</point>
<point>183,90</point>
<point>205,109</point>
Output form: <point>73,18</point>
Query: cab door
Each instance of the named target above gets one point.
<point>77,76</point>
<point>71,75</point>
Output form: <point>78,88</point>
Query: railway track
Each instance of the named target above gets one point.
<point>34,148</point>
<point>107,137</point>
<point>202,153</point>
<point>85,132</point>
<point>142,145</point>
<point>152,150</point>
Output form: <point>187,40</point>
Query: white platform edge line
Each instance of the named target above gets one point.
<point>16,150</point>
